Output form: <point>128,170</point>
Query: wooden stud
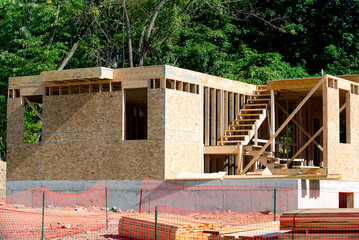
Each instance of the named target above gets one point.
<point>225,112</point>
<point>347,122</point>
<point>207,111</point>
<point>272,117</point>
<point>255,158</point>
<point>240,160</point>
<point>325,122</point>
<point>213,117</point>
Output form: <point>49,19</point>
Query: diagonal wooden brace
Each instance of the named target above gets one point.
<point>300,127</point>
<point>33,108</point>
<point>255,158</point>
<point>305,145</point>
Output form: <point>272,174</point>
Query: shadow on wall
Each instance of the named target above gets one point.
<point>311,186</point>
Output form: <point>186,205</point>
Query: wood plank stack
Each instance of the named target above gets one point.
<point>324,220</point>
<point>320,223</point>
<point>169,227</point>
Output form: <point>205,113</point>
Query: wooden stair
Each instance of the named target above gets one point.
<point>253,113</point>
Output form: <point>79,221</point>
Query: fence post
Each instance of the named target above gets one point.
<point>274,202</point>
<point>43,214</point>
<point>106,209</point>
<point>156,223</point>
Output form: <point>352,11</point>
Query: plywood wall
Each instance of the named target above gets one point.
<point>156,114</point>
<point>15,119</point>
<point>184,120</point>
<point>342,157</point>
<point>82,140</point>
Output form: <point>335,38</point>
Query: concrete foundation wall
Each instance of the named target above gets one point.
<point>126,193</point>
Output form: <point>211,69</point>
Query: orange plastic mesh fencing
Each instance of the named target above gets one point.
<point>40,213</point>
<point>217,198</point>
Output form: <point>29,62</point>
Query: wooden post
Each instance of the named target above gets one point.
<point>272,117</point>
<point>207,126</point>
<point>213,117</point>
<point>255,158</point>
<point>347,119</point>
<point>240,158</point>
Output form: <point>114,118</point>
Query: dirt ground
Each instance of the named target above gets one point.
<point>2,179</point>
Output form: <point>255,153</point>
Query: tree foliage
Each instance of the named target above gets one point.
<point>252,41</point>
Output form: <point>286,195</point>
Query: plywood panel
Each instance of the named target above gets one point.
<point>342,158</point>
<point>15,120</point>
<point>77,74</point>
<point>156,112</point>
<point>138,73</point>
<point>22,161</point>
<point>69,161</point>
<point>70,113</point>
<point>131,160</point>
<point>184,140</point>
<point>16,82</point>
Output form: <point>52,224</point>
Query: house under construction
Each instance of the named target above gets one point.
<point>160,121</point>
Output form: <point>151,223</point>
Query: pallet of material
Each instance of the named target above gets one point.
<point>321,220</point>
<point>172,227</point>
<point>167,227</point>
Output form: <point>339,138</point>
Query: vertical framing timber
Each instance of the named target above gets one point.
<point>325,122</point>
<point>273,117</point>
<point>237,101</point>
<point>277,123</point>
<point>213,117</point>
<point>207,163</point>
<point>240,160</point>
<point>243,101</point>
<point>219,114</point>
<point>124,114</point>
<point>231,107</point>
<point>310,130</point>
<point>225,112</point>
<point>347,119</point>
<point>207,111</point>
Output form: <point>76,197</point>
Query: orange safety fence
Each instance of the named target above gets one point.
<point>175,212</point>
<point>43,214</point>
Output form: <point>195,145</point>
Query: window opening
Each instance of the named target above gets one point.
<point>136,113</point>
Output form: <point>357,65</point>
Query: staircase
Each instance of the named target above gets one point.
<point>244,127</point>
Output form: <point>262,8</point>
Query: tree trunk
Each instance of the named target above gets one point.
<point>128,31</point>
<point>52,35</point>
<point>145,48</point>
<point>69,56</point>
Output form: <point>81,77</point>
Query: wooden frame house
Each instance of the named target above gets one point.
<point>159,121</point>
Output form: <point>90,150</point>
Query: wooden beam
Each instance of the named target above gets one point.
<point>342,107</point>
<point>325,122</point>
<point>255,158</point>
<point>299,126</point>
<point>305,145</point>
<point>207,111</point>
<point>213,116</point>
<point>347,118</point>
<point>33,108</point>
<point>240,158</point>
<point>272,118</point>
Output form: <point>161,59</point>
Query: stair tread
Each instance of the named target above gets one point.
<point>245,120</point>
<point>252,110</point>
<point>238,130</point>
<point>249,114</point>
<point>232,136</point>
<point>262,95</point>
<point>239,141</point>
<point>258,99</point>
<point>241,125</point>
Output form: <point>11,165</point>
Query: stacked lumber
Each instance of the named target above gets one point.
<point>167,227</point>
<point>321,220</point>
